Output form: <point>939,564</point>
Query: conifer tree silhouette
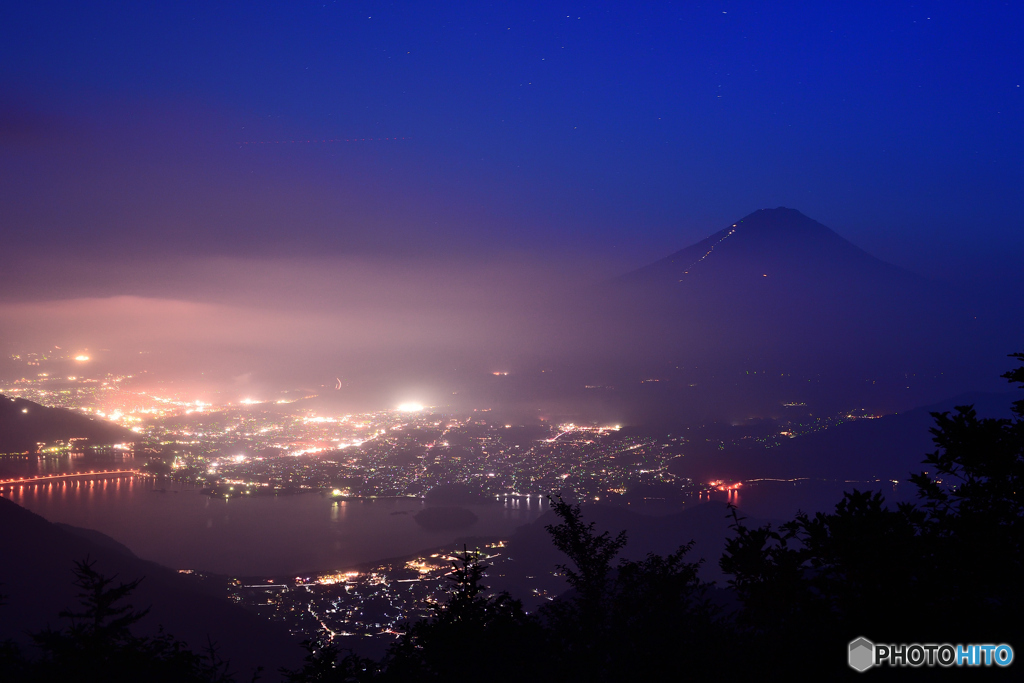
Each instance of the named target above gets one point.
<point>945,570</point>
<point>470,631</point>
<point>99,645</point>
<point>630,620</point>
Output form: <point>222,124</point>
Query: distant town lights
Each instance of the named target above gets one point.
<point>81,358</point>
<point>410,407</point>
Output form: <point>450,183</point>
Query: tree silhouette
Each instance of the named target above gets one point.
<point>636,619</point>
<point>324,663</point>
<point>591,556</point>
<point>471,631</point>
<point>973,495</point>
<point>99,645</point>
<point>946,570</point>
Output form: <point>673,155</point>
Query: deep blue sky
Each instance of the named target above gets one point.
<point>621,131</point>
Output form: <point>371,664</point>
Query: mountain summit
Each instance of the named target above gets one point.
<point>779,296</point>
<point>779,278</point>
<point>769,243</point>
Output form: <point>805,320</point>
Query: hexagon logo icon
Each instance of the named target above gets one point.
<point>862,654</point>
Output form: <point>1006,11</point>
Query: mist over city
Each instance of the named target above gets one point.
<point>389,341</point>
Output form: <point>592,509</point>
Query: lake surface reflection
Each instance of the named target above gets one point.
<point>14,466</point>
<point>781,500</point>
<point>185,529</point>
<point>279,535</point>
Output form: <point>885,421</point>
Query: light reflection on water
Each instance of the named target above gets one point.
<point>781,500</point>
<point>14,466</point>
<point>182,528</point>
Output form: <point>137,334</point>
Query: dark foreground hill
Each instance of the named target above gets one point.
<point>36,577</point>
<point>23,424</point>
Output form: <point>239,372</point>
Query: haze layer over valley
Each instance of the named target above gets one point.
<point>773,309</point>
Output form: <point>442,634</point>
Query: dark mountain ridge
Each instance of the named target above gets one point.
<point>780,280</point>
<point>23,424</point>
<point>36,579</point>
<point>776,308</point>
<point>889,448</point>
<point>783,241</point>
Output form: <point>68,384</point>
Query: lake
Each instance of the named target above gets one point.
<point>272,535</point>
<point>781,500</point>
<point>281,535</point>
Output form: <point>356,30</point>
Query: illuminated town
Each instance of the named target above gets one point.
<point>253,446</point>
<point>373,601</point>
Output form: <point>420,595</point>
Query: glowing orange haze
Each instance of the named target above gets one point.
<point>303,318</point>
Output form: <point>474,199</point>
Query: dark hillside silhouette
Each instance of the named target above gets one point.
<point>887,448</point>
<point>24,423</point>
<point>98,644</point>
<point>35,575</point>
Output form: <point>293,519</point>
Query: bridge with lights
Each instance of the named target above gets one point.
<point>43,479</point>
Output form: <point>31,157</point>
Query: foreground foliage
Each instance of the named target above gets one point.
<point>98,644</point>
<point>945,570</point>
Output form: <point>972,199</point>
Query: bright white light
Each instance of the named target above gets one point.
<point>250,401</point>
<point>82,358</point>
<point>410,407</point>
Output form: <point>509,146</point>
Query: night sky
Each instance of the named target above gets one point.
<point>140,144</point>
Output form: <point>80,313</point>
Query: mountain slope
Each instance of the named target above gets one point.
<point>778,243</point>
<point>888,448</point>
<point>778,277</point>
<point>23,424</point>
<point>36,578</point>
<point>815,318</point>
